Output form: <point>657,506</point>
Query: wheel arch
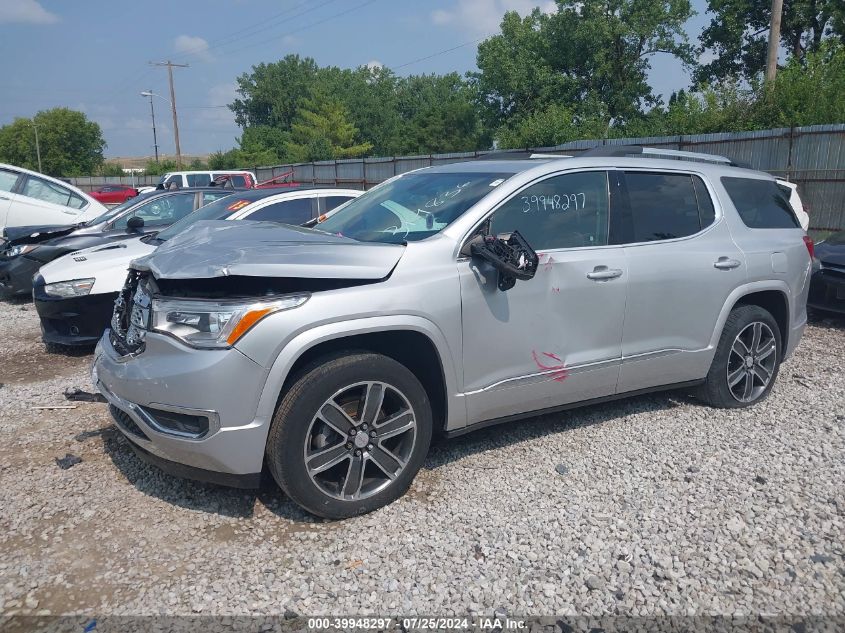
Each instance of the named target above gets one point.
<point>771,296</point>
<point>416,343</point>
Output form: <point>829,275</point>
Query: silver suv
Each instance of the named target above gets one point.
<point>445,300</point>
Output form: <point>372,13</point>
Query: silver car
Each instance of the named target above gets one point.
<point>445,300</point>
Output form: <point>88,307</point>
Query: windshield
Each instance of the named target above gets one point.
<point>115,211</point>
<point>412,207</point>
<point>217,210</point>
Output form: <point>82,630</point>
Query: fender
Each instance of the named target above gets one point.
<point>290,353</point>
<point>747,289</point>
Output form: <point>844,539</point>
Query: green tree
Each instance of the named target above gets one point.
<point>272,93</point>
<point>737,35</point>
<point>438,114</point>
<point>157,168</point>
<point>71,145</point>
<point>588,51</point>
<point>322,131</point>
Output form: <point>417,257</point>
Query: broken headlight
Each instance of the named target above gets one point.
<point>215,324</point>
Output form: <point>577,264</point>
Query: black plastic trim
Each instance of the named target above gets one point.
<point>572,405</point>
<point>249,481</point>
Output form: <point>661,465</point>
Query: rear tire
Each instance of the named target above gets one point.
<point>350,434</point>
<point>747,360</point>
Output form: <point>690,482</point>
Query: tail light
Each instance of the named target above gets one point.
<point>811,248</point>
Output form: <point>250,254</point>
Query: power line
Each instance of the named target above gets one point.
<point>252,30</point>
<point>307,26</point>
<point>438,53</point>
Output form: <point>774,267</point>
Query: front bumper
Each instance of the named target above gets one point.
<point>827,290</point>
<point>224,386</point>
<point>16,275</point>
<point>73,320</point>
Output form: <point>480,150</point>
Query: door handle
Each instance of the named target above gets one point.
<point>601,273</point>
<point>724,263</point>
<point>4,198</point>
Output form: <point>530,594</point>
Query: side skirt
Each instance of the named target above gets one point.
<point>572,405</point>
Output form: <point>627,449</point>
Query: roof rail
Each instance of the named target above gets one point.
<point>518,155</point>
<point>630,150</point>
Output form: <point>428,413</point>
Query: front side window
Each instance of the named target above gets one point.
<point>663,206</point>
<point>46,191</point>
<point>760,203</point>
<point>7,180</point>
<point>566,211</point>
<point>411,207</point>
<point>160,211</point>
<point>296,211</point>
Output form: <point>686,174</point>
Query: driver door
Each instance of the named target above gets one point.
<point>557,338</point>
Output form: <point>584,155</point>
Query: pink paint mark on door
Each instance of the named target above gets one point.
<point>558,371</point>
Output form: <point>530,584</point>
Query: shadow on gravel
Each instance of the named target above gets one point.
<point>197,496</point>
<point>826,320</point>
<point>445,450</point>
<point>231,502</point>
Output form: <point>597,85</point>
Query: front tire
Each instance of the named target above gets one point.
<point>350,434</point>
<point>747,360</point>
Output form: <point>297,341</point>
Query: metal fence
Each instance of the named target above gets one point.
<point>813,157</point>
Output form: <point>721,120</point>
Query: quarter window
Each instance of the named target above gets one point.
<point>565,211</point>
<point>663,206</point>
<point>296,211</point>
<point>760,203</point>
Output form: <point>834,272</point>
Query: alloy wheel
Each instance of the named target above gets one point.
<point>360,440</point>
<point>751,362</point>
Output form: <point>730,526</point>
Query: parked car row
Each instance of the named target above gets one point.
<point>327,334</point>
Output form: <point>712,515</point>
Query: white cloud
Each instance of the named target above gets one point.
<point>25,12</point>
<point>374,64</point>
<point>193,45</point>
<point>480,17</point>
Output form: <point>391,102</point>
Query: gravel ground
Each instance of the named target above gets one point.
<point>652,505</point>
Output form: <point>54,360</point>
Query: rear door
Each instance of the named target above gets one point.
<point>42,201</point>
<point>8,179</point>
<point>683,266</point>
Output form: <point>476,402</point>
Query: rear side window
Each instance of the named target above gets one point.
<point>46,191</point>
<point>7,180</point>
<point>760,203</point>
<point>238,181</point>
<point>332,202</point>
<point>665,206</point>
<point>198,180</point>
<point>296,211</point>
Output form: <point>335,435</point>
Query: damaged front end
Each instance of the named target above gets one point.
<point>211,287</point>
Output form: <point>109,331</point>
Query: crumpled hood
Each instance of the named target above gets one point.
<point>223,248</point>
<point>34,234</point>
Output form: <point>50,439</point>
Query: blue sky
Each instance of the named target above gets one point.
<point>93,55</point>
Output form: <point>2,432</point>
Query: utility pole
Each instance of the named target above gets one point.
<point>774,42</point>
<point>37,145</point>
<point>151,94</point>
<point>170,65</point>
